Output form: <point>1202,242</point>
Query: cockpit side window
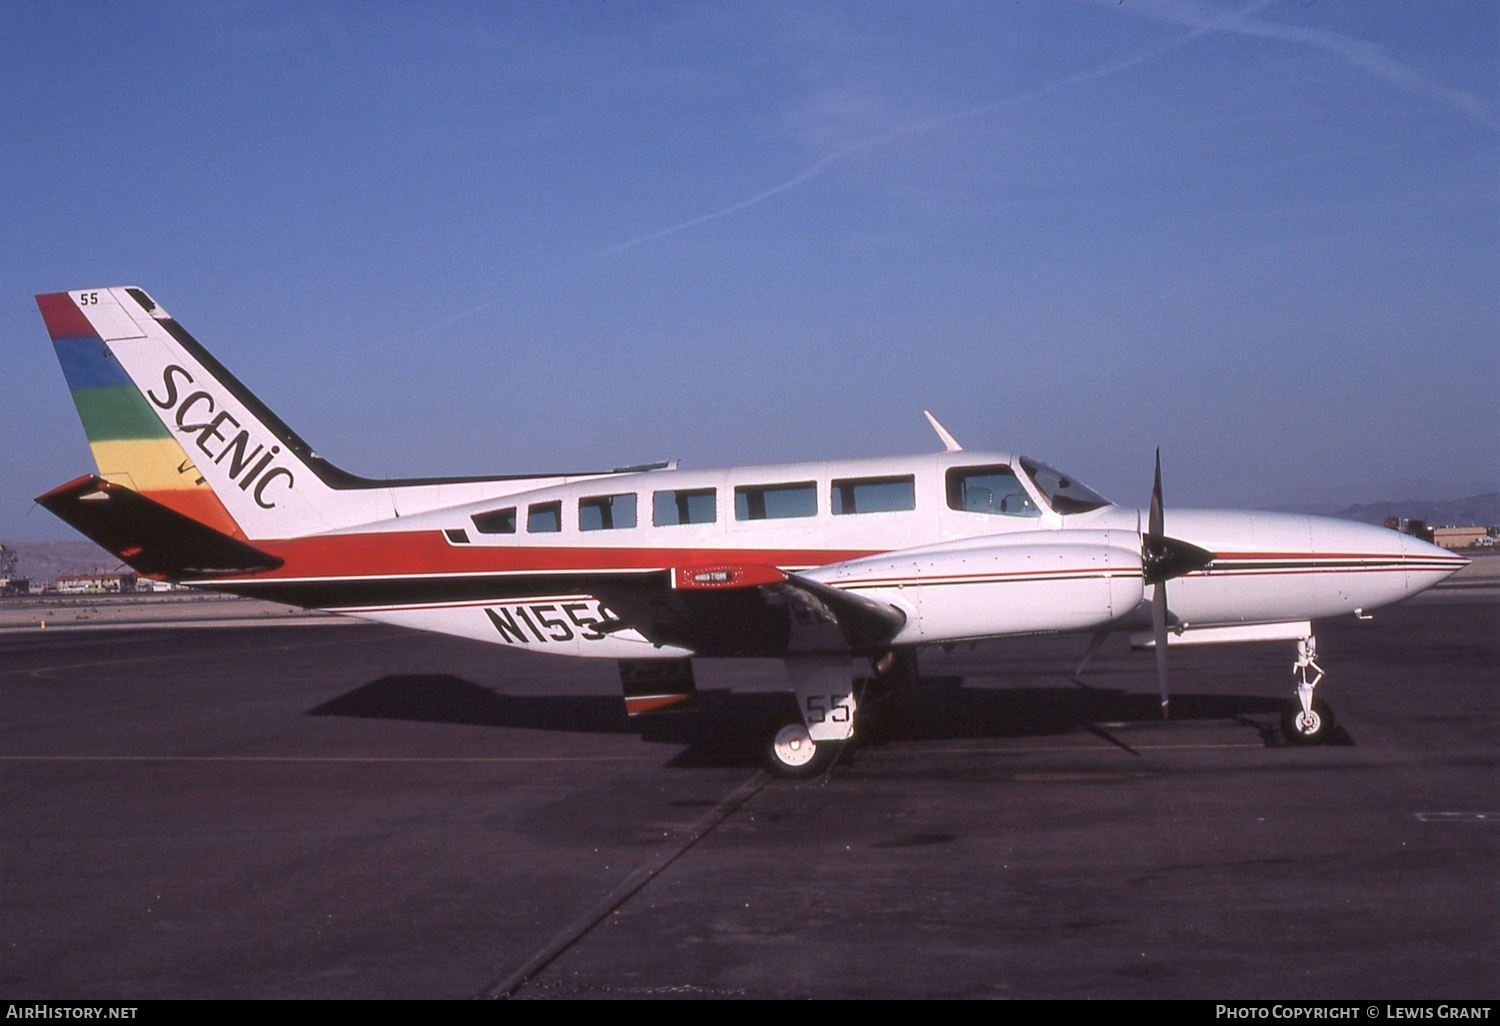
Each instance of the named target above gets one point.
<point>993,489</point>
<point>1065,494</point>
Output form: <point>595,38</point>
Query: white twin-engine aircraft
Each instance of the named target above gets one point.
<point>819,564</point>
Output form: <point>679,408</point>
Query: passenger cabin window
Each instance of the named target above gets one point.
<point>496,521</point>
<point>544,518</point>
<point>874,495</point>
<point>994,490</point>
<point>776,501</point>
<point>684,506</point>
<point>606,512</point>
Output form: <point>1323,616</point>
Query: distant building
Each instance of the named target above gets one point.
<point>95,584</point>
<point>1458,537</point>
<point>1415,528</point>
<point>149,585</point>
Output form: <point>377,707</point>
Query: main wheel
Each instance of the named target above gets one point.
<point>1313,728</point>
<point>792,753</point>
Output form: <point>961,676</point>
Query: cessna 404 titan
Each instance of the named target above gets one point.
<point>820,565</point>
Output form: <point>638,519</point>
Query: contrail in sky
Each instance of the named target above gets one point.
<point>1200,22</point>
<point>1201,28</point>
<point>1364,55</point>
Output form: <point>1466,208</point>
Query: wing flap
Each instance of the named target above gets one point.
<point>753,611</point>
<point>866,624</point>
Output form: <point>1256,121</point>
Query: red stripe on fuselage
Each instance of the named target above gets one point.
<point>428,552</point>
<point>1390,557</point>
<point>420,553</point>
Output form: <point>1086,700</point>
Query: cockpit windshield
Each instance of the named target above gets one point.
<point>1064,494</point>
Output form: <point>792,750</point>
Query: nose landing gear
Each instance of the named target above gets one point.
<point>1307,721</point>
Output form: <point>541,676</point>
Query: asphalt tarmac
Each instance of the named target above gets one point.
<point>318,809</point>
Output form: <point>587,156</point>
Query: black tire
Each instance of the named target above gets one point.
<point>1314,731</point>
<point>788,752</point>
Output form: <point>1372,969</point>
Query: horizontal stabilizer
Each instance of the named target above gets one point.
<point>151,538</point>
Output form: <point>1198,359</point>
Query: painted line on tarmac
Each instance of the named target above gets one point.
<point>1104,735</point>
<point>41,671</point>
<point>611,902</point>
<point>1077,748</point>
<point>309,620</point>
<point>1189,748</point>
<point>397,759</point>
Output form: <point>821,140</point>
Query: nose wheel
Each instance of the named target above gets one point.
<point>1312,727</point>
<point>1308,720</point>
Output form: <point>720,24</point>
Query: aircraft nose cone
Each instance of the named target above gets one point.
<point>1371,566</point>
<point>1427,564</point>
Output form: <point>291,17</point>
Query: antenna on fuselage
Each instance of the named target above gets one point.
<point>949,442</point>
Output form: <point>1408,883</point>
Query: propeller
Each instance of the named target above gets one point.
<point>1163,558</point>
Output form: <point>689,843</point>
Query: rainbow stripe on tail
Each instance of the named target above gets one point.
<point>131,445</point>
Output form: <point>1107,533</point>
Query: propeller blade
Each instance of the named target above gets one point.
<point>1163,558</point>
<point>1157,526</point>
<point>1159,632</point>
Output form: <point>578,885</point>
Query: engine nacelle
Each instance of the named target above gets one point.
<point>1029,583</point>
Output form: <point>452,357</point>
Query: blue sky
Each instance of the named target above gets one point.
<point>496,238</point>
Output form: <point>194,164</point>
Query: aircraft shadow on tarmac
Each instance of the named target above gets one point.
<point>727,727</point>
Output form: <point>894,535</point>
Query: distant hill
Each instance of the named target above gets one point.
<point>46,561</point>
<point>1475,511</point>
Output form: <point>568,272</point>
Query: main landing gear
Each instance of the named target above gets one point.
<point>804,744</point>
<point>791,753</point>
<point>1307,721</point>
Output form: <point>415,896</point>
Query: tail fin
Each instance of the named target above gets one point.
<point>131,444</point>
<point>165,419</point>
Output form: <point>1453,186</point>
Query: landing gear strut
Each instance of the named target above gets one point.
<point>806,743</point>
<point>1307,721</point>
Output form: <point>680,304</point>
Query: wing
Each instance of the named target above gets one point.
<point>722,611</point>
